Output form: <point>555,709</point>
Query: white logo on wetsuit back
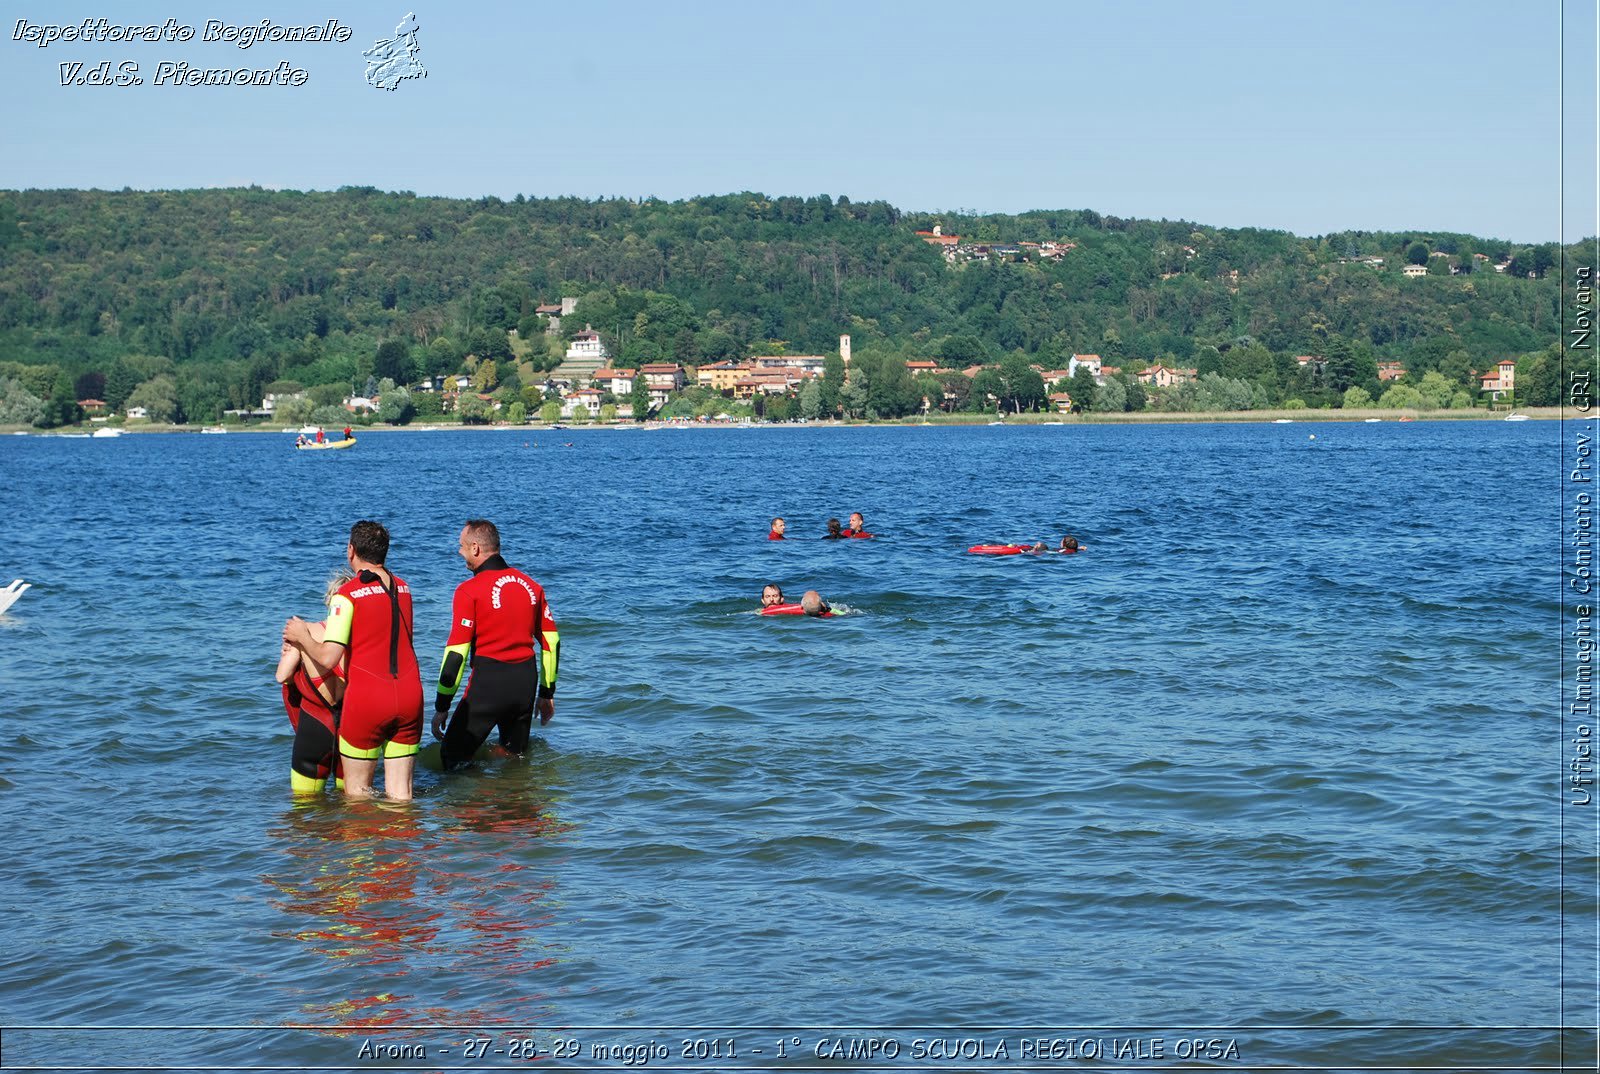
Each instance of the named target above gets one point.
<point>506,579</point>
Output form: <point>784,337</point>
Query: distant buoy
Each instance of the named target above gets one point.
<point>1313,436</point>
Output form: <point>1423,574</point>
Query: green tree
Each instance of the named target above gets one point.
<point>853,398</point>
<point>832,383</point>
<point>394,404</point>
<point>294,411</point>
<point>988,390</point>
<point>1109,398</point>
<point>1538,377</point>
<point>61,408</point>
<point>550,413</point>
<point>1022,384</point>
<point>1085,392</point>
<point>957,391</point>
<point>428,404</point>
<point>779,408</point>
<point>517,413</point>
<point>1401,396</point>
<point>608,412</point>
<point>491,344</point>
<point>484,378</point>
<point>958,352</point>
<point>393,362</point>
<point>811,399</point>
<point>159,396</point>
<point>471,409</point>
<point>1356,398</point>
<point>120,383</point>
<point>1417,254</point>
<point>1435,390</point>
<point>640,395</point>
<point>1138,396</point>
<point>18,406</point>
<point>90,386</point>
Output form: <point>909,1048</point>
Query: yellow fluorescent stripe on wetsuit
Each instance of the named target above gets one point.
<point>360,755</point>
<point>299,784</point>
<point>452,671</point>
<point>550,644</point>
<point>341,614</point>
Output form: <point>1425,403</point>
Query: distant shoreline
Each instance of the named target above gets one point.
<point>1232,417</point>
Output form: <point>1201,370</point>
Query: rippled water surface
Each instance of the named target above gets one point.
<point>1272,751</point>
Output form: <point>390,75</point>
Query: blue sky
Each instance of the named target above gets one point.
<point>1309,118</point>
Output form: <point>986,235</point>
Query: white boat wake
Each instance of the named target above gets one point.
<point>9,595</point>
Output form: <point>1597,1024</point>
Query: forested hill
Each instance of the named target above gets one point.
<point>240,287</point>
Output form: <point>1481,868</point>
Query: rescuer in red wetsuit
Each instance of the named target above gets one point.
<point>370,620</point>
<point>502,628</point>
<point>778,526</point>
<point>857,526</point>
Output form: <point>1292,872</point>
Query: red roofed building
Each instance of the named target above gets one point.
<point>586,398</point>
<point>667,375</point>
<point>768,382</point>
<point>1502,381</point>
<point>919,365</point>
<point>937,238</point>
<point>1062,402</point>
<point>1388,371</point>
<point>615,381</point>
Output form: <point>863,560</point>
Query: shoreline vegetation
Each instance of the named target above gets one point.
<point>1231,417</point>
<point>325,308</point>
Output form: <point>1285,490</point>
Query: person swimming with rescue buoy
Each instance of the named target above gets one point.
<point>811,603</point>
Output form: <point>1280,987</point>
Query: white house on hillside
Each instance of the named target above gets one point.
<point>586,344</point>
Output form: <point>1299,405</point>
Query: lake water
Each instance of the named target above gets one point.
<point>1275,760</point>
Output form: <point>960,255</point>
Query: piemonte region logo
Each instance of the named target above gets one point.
<point>390,62</point>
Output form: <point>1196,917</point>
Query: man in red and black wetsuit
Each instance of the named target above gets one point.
<point>370,617</point>
<point>858,527</point>
<point>776,533</point>
<point>502,628</point>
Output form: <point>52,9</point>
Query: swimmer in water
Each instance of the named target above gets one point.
<point>778,526</point>
<point>771,594</point>
<point>812,604</point>
<point>858,526</point>
<point>1069,546</point>
<point>835,530</point>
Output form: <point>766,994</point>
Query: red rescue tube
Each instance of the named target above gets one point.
<point>792,609</point>
<point>998,549</point>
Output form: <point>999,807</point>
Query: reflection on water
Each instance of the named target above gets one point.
<point>415,908</point>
